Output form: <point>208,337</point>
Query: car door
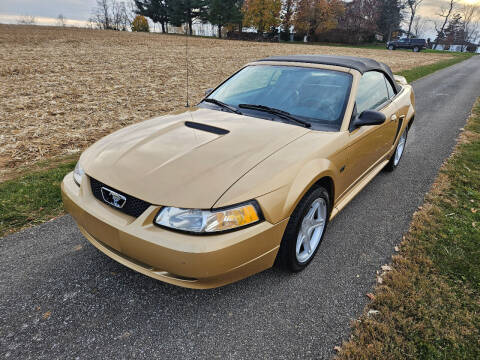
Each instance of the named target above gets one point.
<point>368,145</point>
<point>399,110</point>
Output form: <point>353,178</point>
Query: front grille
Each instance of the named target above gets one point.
<point>133,206</point>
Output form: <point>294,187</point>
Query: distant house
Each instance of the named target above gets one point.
<point>469,47</point>
<point>198,28</point>
<point>457,48</point>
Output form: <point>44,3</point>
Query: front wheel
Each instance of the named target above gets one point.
<point>305,230</point>
<point>416,49</point>
<point>399,150</point>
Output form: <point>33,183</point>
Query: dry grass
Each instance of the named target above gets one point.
<point>427,305</point>
<point>62,89</point>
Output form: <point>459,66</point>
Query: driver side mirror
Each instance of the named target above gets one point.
<point>369,117</point>
<point>208,91</point>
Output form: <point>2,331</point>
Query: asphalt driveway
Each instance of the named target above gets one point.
<point>61,298</point>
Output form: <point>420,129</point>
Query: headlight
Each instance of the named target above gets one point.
<point>78,174</point>
<point>204,221</point>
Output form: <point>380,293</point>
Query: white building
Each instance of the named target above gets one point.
<point>454,48</point>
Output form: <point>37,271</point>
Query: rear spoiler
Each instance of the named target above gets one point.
<point>400,79</point>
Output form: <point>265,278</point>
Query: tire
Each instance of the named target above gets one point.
<point>399,151</point>
<point>291,257</point>
<point>391,47</point>
<point>416,49</point>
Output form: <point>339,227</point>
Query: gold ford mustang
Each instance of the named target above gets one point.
<point>249,177</point>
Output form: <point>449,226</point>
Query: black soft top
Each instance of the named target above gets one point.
<point>358,63</point>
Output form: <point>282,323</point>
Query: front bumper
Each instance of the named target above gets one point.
<point>185,260</point>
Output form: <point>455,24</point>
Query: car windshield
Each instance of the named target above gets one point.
<point>317,96</point>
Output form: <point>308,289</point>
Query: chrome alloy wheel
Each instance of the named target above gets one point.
<point>400,148</point>
<point>311,230</point>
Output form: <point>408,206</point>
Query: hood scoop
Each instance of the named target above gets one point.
<point>187,160</point>
<point>207,128</point>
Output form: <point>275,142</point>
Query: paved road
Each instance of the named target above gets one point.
<point>61,298</point>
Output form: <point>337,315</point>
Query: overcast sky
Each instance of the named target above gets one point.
<point>70,9</point>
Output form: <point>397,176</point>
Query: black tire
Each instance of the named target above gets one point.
<point>391,163</point>
<point>416,49</point>
<point>391,47</point>
<point>286,257</point>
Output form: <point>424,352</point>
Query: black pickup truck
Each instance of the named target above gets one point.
<point>415,44</point>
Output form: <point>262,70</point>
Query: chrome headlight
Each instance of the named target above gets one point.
<point>207,222</point>
<point>78,174</point>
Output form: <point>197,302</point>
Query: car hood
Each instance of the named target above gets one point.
<point>165,162</point>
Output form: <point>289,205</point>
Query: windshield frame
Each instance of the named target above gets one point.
<point>339,126</point>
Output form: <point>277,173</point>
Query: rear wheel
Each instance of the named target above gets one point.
<point>399,150</point>
<point>305,230</point>
<point>391,47</point>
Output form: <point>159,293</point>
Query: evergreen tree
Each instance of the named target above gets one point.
<point>222,12</point>
<point>157,10</point>
<point>390,17</point>
<point>454,32</point>
<point>186,11</point>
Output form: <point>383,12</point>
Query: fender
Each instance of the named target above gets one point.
<point>280,203</point>
<point>309,175</point>
<point>280,181</point>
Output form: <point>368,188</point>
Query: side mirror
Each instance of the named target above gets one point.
<point>369,117</point>
<point>208,91</point>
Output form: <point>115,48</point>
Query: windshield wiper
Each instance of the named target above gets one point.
<point>278,112</point>
<point>223,105</point>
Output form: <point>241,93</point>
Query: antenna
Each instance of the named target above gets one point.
<point>186,62</point>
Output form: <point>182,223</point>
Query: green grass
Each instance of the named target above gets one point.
<point>421,71</point>
<point>32,198</point>
<point>429,305</point>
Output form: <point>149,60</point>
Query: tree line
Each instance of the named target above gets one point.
<point>303,17</point>
<point>352,21</point>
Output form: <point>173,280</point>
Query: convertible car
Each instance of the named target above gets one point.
<point>248,178</point>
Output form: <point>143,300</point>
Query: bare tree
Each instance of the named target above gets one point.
<point>101,15</point>
<point>27,20</point>
<point>112,15</point>
<point>412,7</point>
<point>131,11</point>
<point>61,21</point>
<point>445,14</point>
<point>119,15</point>
<point>471,20</point>
<point>418,26</point>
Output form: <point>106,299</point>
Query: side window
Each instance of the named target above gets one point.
<point>390,91</point>
<point>372,91</point>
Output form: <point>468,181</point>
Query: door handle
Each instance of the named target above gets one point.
<point>393,117</point>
